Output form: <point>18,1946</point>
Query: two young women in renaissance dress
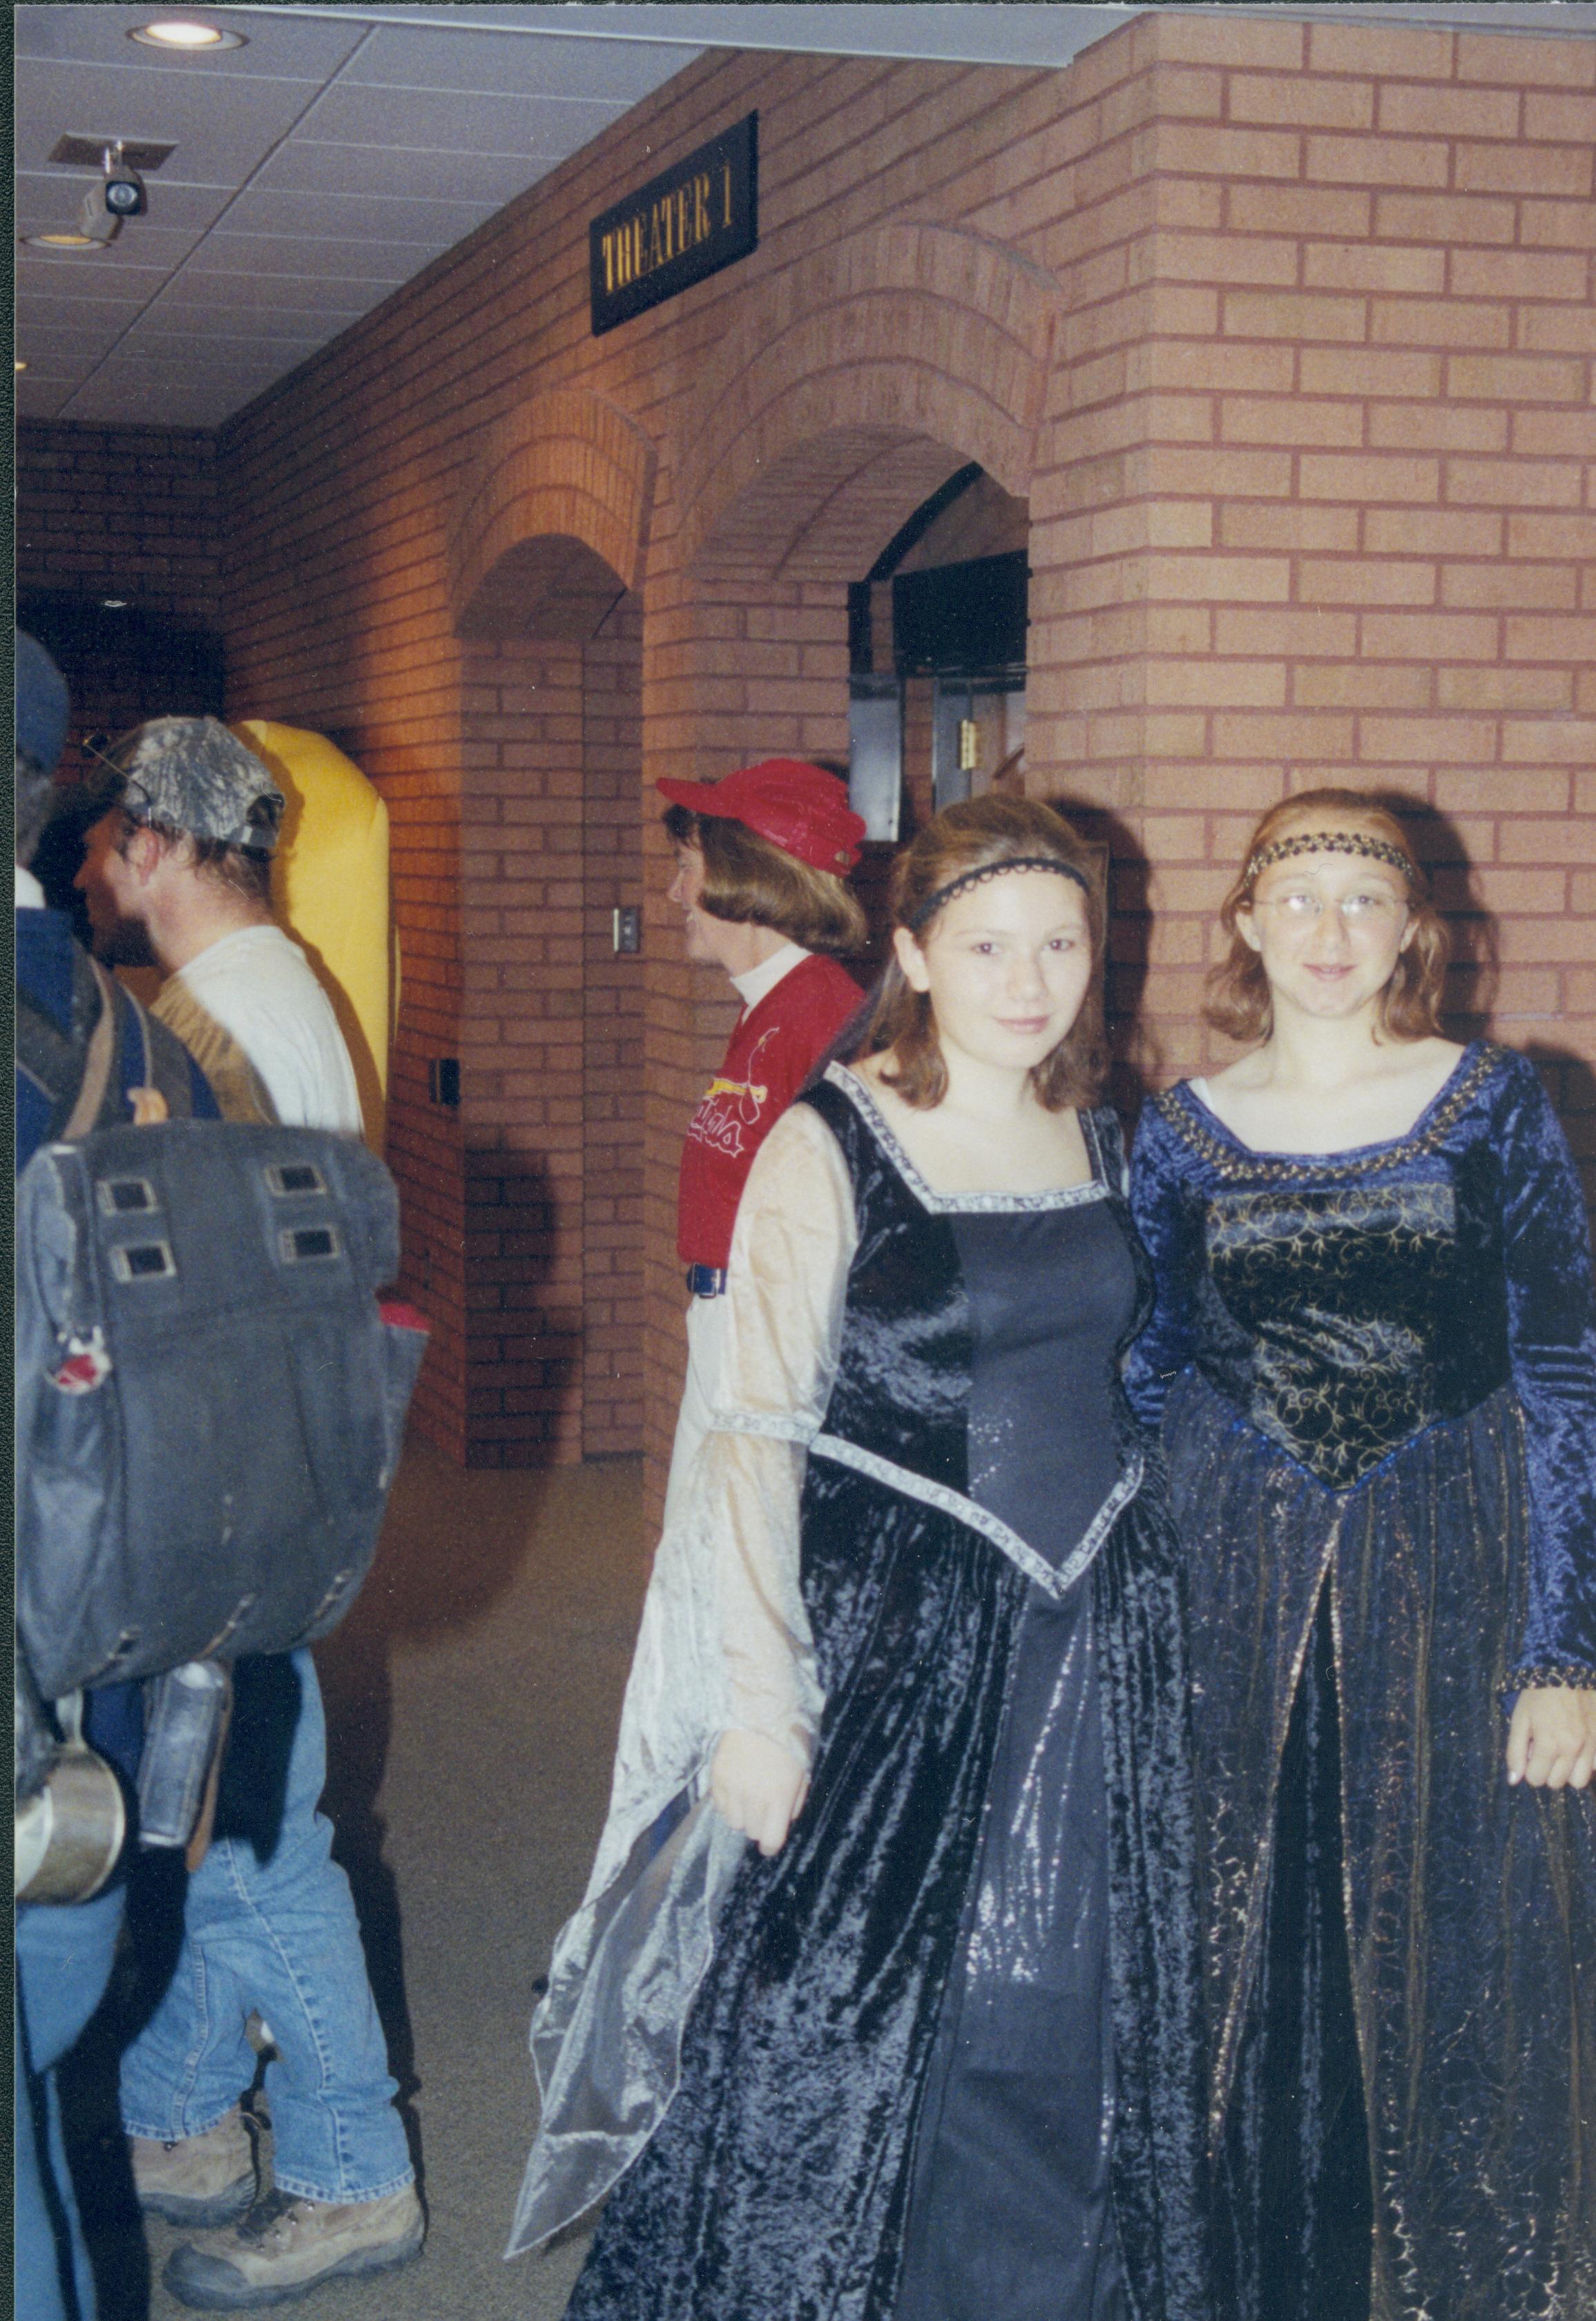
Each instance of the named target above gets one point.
<point>1066,1981</point>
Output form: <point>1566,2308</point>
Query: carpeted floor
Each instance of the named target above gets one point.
<point>473,1698</point>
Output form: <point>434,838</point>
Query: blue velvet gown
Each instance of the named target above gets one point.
<point>1376,1375</point>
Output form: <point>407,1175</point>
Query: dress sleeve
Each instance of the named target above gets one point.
<point>791,1253</point>
<point>1163,1218</point>
<point>1552,1341</point>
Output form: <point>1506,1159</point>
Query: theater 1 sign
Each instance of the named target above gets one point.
<point>679,228</point>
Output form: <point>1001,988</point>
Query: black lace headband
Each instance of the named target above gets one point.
<point>933,903</point>
<point>1332,841</point>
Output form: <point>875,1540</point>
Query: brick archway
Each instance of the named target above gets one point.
<point>850,388</point>
<point>853,385</point>
<point>546,550</point>
<point>551,520</point>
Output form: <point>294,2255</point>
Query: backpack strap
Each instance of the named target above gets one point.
<point>97,1063</point>
<point>71,1067</point>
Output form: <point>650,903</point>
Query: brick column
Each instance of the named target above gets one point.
<point>612,1039</point>
<point>522,1050</point>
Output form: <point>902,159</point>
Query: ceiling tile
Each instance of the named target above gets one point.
<point>278,43</point>
<point>85,327</point>
<point>221,128</point>
<point>53,315</point>
<point>503,64</point>
<point>222,326</point>
<point>307,164</point>
<point>357,261</point>
<point>89,274</point>
<point>40,398</point>
<point>117,403</point>
<point>383,218</point>
<point>221,292</point>
<point>443,120</point>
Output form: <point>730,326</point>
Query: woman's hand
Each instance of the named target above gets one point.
<point>758,1788</point>
<point>1552,1739</point>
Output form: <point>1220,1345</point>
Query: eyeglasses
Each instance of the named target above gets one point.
<point>1300,908</point>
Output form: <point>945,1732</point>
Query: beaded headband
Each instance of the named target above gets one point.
<point>1331,842</point>
<point>933,903</point>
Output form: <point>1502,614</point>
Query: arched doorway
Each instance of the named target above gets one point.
<point>854,387</point>
<point>550,1094</point>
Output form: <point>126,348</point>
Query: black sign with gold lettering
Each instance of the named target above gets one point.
<point>677,228</point>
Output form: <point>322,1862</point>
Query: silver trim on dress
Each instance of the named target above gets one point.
<point>1055,1580</point>
<point>1066,1197</point>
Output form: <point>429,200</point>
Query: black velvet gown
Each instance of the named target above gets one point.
<point>946,2064</point>
<point>1010,2212</point>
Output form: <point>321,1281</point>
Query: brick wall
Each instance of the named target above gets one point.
<point>120,512</point>
<point>128,515</point>
<point>1315,505</point>
<point>1282,333</point>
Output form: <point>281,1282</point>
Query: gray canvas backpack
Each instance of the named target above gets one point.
<point>209,1398</point>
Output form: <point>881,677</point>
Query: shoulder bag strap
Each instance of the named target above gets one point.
<point>97,1061</point>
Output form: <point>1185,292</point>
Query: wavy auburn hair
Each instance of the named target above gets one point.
<point>1238,999</point>
<point>978,834</point>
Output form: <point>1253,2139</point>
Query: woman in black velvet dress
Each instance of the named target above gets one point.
<point>933,2050</point>
<point>1374,1357</point>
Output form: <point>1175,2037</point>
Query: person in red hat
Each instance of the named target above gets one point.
<point>763,858</point>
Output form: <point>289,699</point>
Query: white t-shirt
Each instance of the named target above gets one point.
<point>261,988</point>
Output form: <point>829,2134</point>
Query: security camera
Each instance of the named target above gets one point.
<point>122,191</point>
<point>95,222</point>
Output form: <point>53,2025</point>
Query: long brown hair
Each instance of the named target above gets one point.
<point>975,835</point>
<point>748,881</point>
<point>1238,998</point>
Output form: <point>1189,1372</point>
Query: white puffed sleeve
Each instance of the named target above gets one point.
<point>724,1642</point>
<point>725,1639</point>
<point>790,1253</point>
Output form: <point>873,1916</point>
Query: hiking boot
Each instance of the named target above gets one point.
<point>200,2180</point>
<point>285,2247</point>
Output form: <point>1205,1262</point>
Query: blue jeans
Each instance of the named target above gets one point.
<point>63,1962</point>
<point>277,1938</point>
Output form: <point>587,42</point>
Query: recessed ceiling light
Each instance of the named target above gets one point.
<point>19,363</point>
<point>180,32</point>
<point>114,604</point>
<point>63,241</point>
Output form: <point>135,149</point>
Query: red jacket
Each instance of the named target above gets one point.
<point>773,1049</point>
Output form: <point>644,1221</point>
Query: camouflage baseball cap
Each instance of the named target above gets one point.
<point>191,774</point>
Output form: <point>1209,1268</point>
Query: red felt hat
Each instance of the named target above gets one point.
<point>798,807</point>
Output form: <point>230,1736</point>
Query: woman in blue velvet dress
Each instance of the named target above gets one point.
<point>1373,1355</point>
<point>929,2048</point>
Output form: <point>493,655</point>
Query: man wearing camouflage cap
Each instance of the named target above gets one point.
<point>177,872</point>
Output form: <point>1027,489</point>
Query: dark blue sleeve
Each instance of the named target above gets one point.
<point>1552,1341</point>
<point>1168,1220</point>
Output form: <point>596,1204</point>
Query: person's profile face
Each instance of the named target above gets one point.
<point>707,938</point>
<point>109,886</point>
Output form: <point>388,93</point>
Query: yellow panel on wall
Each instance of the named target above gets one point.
<point>330,890</point>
